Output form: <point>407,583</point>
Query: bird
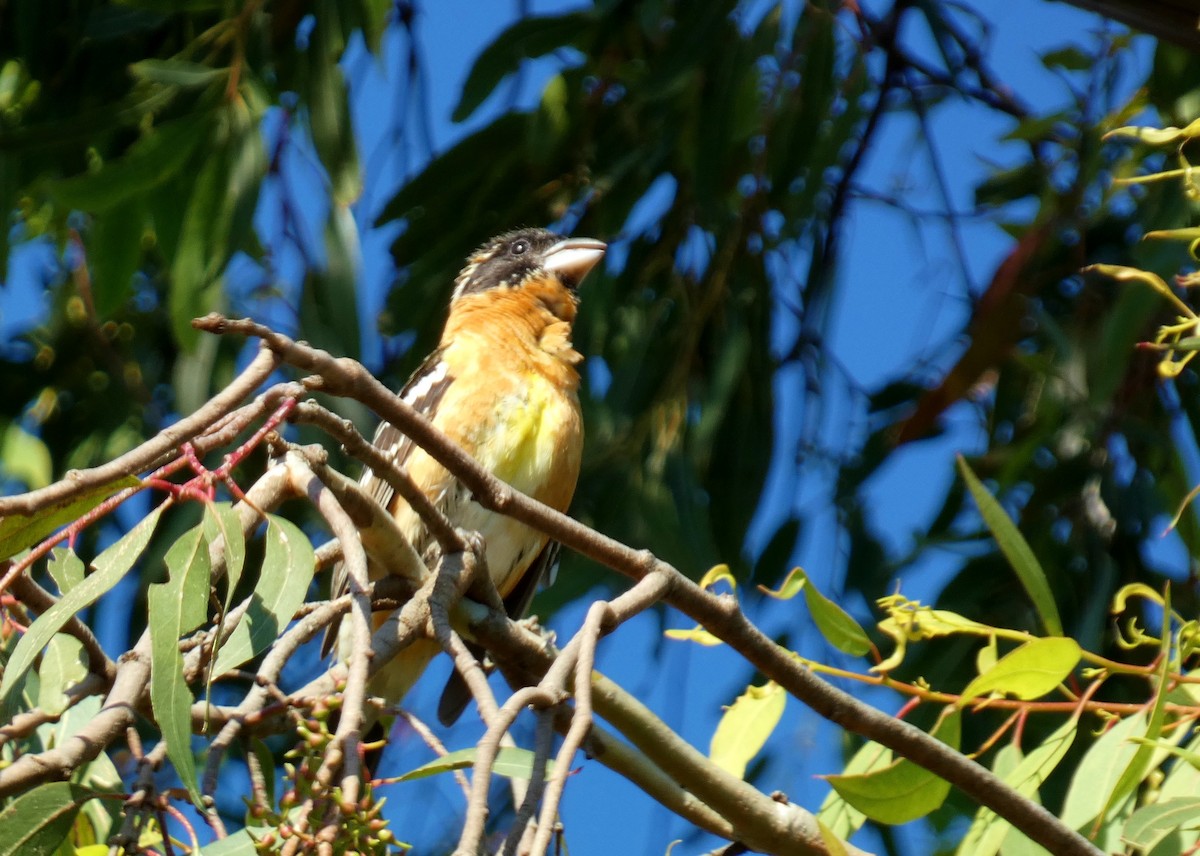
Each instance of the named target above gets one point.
<point>503,384</point>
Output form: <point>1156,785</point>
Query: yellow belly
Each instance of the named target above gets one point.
<point>532,440</point>
<point>533,445</point>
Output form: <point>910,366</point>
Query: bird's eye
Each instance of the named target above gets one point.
<point>519,247</point>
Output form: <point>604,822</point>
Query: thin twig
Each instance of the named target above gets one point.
<point>342,753</point>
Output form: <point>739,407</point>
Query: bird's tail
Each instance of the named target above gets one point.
<point>392,683</point>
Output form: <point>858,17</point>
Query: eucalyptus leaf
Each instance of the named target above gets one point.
<point>287,570</point>
<point>110,567</point>
<point>511,762</point>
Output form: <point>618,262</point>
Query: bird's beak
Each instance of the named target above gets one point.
<point>573,258</point>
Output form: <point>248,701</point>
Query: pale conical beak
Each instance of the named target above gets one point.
<point>573,258</point>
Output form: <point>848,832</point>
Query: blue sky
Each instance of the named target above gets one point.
<point>898,303</point>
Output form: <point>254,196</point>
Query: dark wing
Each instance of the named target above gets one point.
<point>456,696</point>
<point>423,391</point>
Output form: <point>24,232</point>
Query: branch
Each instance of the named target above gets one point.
<point>343,751</point>
<point>150,454</point>
<point>129,690</point>
<point>719,614</point>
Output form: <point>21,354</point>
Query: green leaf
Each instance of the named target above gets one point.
<point>1100,769</point>
<point>110,566</point>
<point>987,831</point>
<point>63,666</point>
<point>65,568</point>
<point>287,570</point>
<point>25,457</point>
<point>329,111</point>
<point>178,606</point>
<point>1014,547</point>
<point>836,625</point>
<point>222,524</point>
<point>745,727</point>
<point>240,843</point>
<point>1028,672</point>
<point>199,257</point>
<point>160,154</point>
<point>40,820</point>
<point>1156,136</point>
<point>1152,823</point>
<point>1143,760</point>
<point>1004,186</point>
<point>328,313</point>
<point>1012,841</point>
<point>1069,58</point>
<point>527,38</point>
<point>115,250</point>
<point>511,762</point>
<point>375,14</point>
<point>902,791</point>
<point>100,773</point>
<point>836,813</point>
<point>176,72</point>
<point>266,760</point>
<point>19,531</point>
<point>990,836</point>
<point>792,585</point>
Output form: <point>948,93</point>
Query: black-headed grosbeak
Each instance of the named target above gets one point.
<point>503,384</point>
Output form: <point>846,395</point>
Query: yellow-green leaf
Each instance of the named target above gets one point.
<point>1122,273</point>
<point>1028,672</point>
<point>25,457</point>
<point>697,634</point>
<point>1155,136</point>
<point>902,791</point>
<point>839,629</point>
<point>791,587</point>
<point>912,621</point>
<point>510,762</point>
<point>716,574</point>
<point>745,727</point>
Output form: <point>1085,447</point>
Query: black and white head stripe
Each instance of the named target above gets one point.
<point>506,261</point>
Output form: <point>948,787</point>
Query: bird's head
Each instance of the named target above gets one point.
<point>515,258</point>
